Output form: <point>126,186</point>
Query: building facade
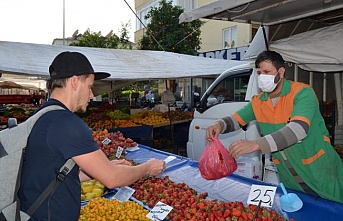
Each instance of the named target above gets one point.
<point>230,41</point>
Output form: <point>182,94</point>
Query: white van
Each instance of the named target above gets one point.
<point>228,93</point>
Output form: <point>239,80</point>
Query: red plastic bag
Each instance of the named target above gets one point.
<point>216,162</point>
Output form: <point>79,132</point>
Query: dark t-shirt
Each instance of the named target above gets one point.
<point>57,136</point>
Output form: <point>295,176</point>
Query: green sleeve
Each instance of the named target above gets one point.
<point>246,114</point>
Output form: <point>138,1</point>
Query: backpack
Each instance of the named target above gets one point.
<point>13,141</point>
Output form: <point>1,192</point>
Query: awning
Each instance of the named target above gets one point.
<point>267,12</point>
<point>34,60</point>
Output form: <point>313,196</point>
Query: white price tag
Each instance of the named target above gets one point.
<point>265,194</point>
<point>168,159</point>
<point>106,141</point>
<point>124,193</point>
<point>119,152</point>
<point>159,212</point>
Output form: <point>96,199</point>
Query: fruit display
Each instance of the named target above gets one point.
<point>107,118</point>
<point>3,119</point>
<point>189,205</point>
<point>178,115</point>
<point>116,140</point>
<point>100,119</point>
<point>91,189</point>
<point>109,124</point>
<point>104,209</point>
<point>148,117</point>
<point>153,120</point>
<point>125,123</point>
<point>118,115</point>
<point>20,112</point>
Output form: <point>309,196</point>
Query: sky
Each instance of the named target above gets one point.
<point>41,21</point>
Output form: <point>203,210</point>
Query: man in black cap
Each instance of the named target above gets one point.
<point>60,135</point>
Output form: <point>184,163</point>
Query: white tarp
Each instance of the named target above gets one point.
<point>34,60</point>
<point>319,50</point>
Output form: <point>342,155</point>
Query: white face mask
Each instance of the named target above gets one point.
<point>266,82</point>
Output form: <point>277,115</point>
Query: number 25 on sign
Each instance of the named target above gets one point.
<point>265,194</point>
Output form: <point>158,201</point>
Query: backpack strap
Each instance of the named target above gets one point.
<point>64,170</point>
<point>30,123</point>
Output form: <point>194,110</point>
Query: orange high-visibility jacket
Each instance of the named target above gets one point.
<point>313,158</point>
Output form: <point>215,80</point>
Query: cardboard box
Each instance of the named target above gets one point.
<point>251,169</point>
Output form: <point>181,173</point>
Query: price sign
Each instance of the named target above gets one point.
<point>159,212</point>
<point>168,159</point>
<point>124,193</point>
<point>106,141</point>
<point>265,194</point>
<point>119,152</point>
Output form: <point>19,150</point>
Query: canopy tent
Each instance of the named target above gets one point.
<point>315,50</point>
<point>11,85</point>
<point>267,12</point>
<point>34,60</point>
<point>318,50</point>
<point>312,47</point>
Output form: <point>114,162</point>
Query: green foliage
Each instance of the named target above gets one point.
<point>111,40</point>
<point>96,40</point>
<point>125,36</point>
<point>164,26</point>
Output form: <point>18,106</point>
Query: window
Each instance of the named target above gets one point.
<point>187,4</point>
<point>142,13</point>
<point>230,37</point>
<point>228,90</point>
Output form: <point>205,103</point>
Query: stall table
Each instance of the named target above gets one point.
<point>235,187</point>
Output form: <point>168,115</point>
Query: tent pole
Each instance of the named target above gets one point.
<point>324,87</point>
<point>191,93</point>
<point>64,22</point>
<point>311,78</point>
<point>296,72</point>
<point>339,98</point>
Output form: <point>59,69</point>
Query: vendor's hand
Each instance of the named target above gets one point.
<point>240,147</point>
<point>213,131</point>
<point>122,162</point>
<point>155,166</point>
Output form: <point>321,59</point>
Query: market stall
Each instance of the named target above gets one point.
<point>234,187</point>
<point>168,130</point>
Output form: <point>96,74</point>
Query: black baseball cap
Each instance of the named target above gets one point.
<point>68,64</point>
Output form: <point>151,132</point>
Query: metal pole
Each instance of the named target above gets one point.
<point>311,78</point>
<point>63,22</point>
<point>296,72</point>
<point>324,87</point>
<point>339,98</point>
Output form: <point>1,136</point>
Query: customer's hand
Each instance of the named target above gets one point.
<point>213,131</point>
<point>155,166</point>
<point>122,162</point>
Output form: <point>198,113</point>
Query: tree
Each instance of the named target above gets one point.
<point>111,40</point>
<point>125,36</point>
<point>171,36</point>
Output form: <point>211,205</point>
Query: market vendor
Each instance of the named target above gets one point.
<point>167,97</point>
<point>293,130</point>
<point>60,135</point>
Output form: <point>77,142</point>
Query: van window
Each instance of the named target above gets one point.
<point>230,89</point>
